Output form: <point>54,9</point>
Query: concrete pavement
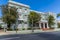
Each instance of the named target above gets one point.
<point>26,32</point>
<point>34,36</point>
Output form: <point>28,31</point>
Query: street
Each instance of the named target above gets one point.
<point>33,36</point>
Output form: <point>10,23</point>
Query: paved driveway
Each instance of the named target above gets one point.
<point>36,36</point>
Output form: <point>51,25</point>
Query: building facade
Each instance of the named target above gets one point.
<point>23,12</point>
<point>44,22</point>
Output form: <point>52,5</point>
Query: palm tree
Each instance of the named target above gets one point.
<point>33,18</point>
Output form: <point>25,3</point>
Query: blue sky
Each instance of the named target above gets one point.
<point>39,5</point>
<point>43,5</point>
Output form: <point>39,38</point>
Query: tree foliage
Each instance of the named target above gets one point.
<point>9,15</point>
<point>35,17</point>
<point>51,20</point>
<point>58,15</point>
<point>58,25</point>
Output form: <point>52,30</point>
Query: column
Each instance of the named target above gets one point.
<point>56,24</point>
<point>44,25</point>
<point>40,25</point>
<point>47,25</point>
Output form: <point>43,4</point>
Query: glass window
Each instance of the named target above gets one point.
<point>25,22</point>
<point>20,21</point>
<point>20,7</point>
<point>25,9</point>
<point>25,15</point>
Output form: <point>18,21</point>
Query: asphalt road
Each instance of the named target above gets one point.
<point>33,36</point>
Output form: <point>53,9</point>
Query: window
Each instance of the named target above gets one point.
<point>25,9</point>
<point>19,10</point>
<point>25,15</point>
<point>25,22</point>
<point>20,7</point>
<point>20,21</point>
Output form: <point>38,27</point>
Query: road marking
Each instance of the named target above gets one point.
<point>9,38</point>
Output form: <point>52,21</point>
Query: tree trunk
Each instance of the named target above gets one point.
<point>32,26</point>
<point>8,26</point>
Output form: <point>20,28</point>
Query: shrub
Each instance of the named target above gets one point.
<point>9,30</point>
<point>58,25</point>
<point>12,29</point>
<point>23,28</point>
<point>16,29</point>
<point>29,28</point>
<point>0,26</point>
<point>52,28</point>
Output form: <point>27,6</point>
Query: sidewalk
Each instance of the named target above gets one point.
<point>26,32</point>
<point>3,33</point>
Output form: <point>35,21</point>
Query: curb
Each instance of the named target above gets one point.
<point>25,32</point>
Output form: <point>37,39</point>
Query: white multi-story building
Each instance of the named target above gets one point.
<point>23,11</point>
<point>44,22</point>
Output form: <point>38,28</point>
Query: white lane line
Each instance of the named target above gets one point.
<point>9,38</point>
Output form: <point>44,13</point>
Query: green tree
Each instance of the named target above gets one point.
<point>9,15</point>
<point>58,25</point>
<point>51,21</point>
<point>34,18</point>
<point>58,15</point>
